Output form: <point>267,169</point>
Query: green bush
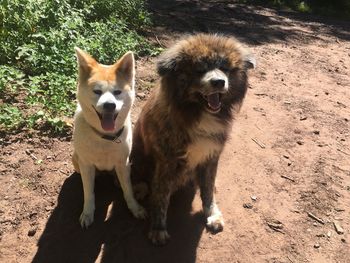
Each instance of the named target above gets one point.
<point>38,39</point>
<point>10,117</point>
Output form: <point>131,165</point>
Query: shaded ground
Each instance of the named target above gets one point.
<point>289,155</point>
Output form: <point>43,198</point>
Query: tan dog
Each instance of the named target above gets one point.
<point>102,134</point>
<point>183,127</point>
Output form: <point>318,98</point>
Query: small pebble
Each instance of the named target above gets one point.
<point>141,95</point>
<point>253,197</point>
<point>31,232</point>
<point>317,245</point>
<point>329,234</point>
<point>338,228</point>
<point>248,205</point>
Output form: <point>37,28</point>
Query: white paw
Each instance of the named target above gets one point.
<point>87,216</point>
<point>86,219</point>
<point>138,211</point>
<point>215,223</point>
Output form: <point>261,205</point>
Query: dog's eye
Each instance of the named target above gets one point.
<point>116,92</point>
<point>98,92</point>
<point>200,71</point>
<point>225,69</point>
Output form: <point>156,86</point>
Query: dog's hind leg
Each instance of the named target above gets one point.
<point>206,175</point>
<point>88,179</point>
<point>123,173</point>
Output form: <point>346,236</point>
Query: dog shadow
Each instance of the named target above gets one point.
<point>115,235</point>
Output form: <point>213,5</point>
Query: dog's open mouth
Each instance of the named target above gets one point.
<point>213,102</point>
<point>107,119</point>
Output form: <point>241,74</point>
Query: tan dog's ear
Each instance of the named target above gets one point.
<point>126,66</point>
<point>85,62</point>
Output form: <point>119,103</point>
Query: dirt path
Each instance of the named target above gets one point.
<point>289,155</point>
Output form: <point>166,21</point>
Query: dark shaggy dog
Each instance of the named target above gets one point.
<point>183,127</point>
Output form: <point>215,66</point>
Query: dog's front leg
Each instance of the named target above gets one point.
<point>159,202</point>
<point>123,173</point>
<point>206,175</point>
<point>88,178</point>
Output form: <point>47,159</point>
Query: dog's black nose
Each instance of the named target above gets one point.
<point>109,106</point>
<point>217,83</point>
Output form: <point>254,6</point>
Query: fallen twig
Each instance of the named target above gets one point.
<point>315,218</point>
<point>343,152</point>
<point>276,227</point>
<point>260,94</point>
<point>259,143</point>
<point>338,228</point>
<point>288,178</point>
<point>63,172</point>
<point>290,259</point>
<point>158,41</point>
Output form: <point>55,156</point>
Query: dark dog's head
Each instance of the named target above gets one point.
<point>205,72</point>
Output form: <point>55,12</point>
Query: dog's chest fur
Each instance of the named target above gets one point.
<point>94,150</point>
<point>206,141</point>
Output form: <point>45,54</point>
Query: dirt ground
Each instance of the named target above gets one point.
<point>283,180</point>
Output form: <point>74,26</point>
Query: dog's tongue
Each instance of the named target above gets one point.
<point>214,101</point>
<point>107,121</point>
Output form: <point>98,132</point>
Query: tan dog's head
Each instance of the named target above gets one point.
<point>105,93</point>
<point>205,72</point>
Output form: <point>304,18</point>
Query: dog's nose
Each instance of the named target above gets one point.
<point>217,83</point>
<point>109,106</point>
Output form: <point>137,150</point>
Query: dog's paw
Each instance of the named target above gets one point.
<point>138,211</point>
<point>159,237</point>
<point>215,223</point>
<point>86,219</point>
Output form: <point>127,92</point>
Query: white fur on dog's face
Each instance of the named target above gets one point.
<point>106,93</point>
<point>214,84</point>
<point>208,77</point>
<point>103,92</point>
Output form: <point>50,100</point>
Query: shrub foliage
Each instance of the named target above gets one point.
<point>37,60</point>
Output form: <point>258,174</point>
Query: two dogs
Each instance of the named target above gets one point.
<point>180,133</point>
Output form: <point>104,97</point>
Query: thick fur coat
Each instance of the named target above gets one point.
<point>102,135</point>
<point>183,127</point>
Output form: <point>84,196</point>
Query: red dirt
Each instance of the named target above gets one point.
<point>288,156</point>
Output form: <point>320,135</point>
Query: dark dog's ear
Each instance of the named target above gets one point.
<point>249,61</point>
<point>167,62</point>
